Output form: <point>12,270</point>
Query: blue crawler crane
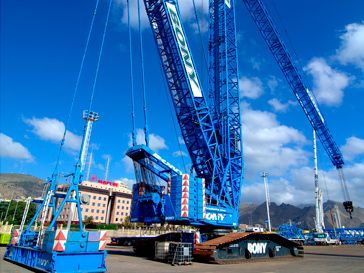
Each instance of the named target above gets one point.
<point>53,249</point>
<point>209,197</point>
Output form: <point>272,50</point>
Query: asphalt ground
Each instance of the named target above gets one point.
<point>330,259</point>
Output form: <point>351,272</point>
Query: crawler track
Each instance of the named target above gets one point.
<point>242,247</point>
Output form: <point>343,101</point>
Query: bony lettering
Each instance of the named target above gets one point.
<point>257,248</point>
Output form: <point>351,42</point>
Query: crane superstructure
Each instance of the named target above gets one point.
<point>212,137</point>
<point>304,96</point>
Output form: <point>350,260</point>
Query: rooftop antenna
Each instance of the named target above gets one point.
<point>90,159</point>
<point>267,198</point>
<point>107,167</point>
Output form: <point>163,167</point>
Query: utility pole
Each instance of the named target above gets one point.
<point>16,207</point>
<point>338,217</point>
<point>267,198</point>
<point>7,210</point>
<point>89,163</point>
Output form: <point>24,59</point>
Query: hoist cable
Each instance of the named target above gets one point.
<point>146,131</point>
<point>100,54</point>
<point>164,80</point>
<point>133,136</point>
<point>200,35</point>
<point>76,86</point>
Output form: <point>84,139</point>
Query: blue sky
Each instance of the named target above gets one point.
<point>41,49</point>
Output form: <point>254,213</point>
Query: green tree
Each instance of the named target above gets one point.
<point>127,222</point>
<point>15,209</point>
<point>88,220</point>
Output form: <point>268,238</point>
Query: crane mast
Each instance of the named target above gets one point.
<point>280,53</point>
<point>319,211</point>
<point>224,91</point>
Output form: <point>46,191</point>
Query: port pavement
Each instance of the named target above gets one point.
<point>330,259</point>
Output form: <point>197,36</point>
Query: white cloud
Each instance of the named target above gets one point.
<point>255,63</point>
<point>180,153</point>
<point>353,147</point>
<point>11,149</point>
<point>181,140</point>
<point>156,142</point>
<point>127,181</point>
<point>133,13</point>
<point>251,88</point>
<point>329,84</point>
<point>270,146</point>
<point>186,9</point>
<point>272,83</point>
<point>128,164</point>
<point>297,186</point>
<point>278,106</point>
<point>52,129</point>
<point>352,44</point>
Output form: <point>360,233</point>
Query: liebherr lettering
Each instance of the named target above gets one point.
<point>186,56</point>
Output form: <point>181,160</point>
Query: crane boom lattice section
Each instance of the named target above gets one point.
<point>290,71</point>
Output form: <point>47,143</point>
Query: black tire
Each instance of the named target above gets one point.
<point>272,252</point>
<point>248,255</point>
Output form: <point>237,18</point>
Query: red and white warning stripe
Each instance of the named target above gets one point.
<point>169,186</point>
<point>197,237</point>
<point>204,198</point>
<point>60,240</point>
<point>102,243</point>
<point>15,237</point>
<point>185,195</point>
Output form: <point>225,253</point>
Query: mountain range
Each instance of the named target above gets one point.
<point>15,186</point>
<point>302,217</point>
<point>19,186</point>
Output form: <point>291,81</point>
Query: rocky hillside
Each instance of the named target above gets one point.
<point>19,186</point>
<point>302,217</point>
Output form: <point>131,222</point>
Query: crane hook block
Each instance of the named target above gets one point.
<point>348,205</point>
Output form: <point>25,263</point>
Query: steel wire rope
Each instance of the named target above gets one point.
<point>131,78</point>
<point>146,132</point>
<point>200,36</point>
<point>166,89</point>
<point>297,60</point>
<point>100,55</point>
<point>76,87</point>
<point>173,120</point>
